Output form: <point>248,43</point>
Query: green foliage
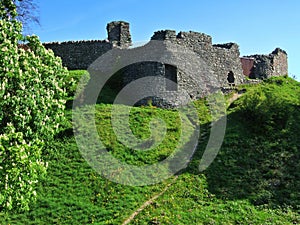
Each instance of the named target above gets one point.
<point>7,9</point>
<point>139,124</point>
<point>271,105</point>
<point>19,173</point>
<point>259,159</point>
<point>73,79</point>
<point>252,175</point>
<point>73,193</point>
<point>76,193</point>
<point>188,201</point>
<point>32,107</point>
<point>203,111</point>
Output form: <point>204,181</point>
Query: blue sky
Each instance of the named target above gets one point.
<point>258,26</point>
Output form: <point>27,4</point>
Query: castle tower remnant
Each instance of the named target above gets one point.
<point>119,34</point>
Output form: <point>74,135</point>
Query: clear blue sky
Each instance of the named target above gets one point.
<point>258,26</point>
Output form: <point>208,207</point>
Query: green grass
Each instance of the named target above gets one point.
<point>254,179</point>
<point>139,124</point>
<point>259,159</point>
<point>189,201</point>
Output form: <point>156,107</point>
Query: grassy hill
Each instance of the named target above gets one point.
<point>255,179</point>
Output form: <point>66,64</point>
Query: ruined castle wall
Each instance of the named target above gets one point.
<point>79,54</point>
<point>190,55</point>
<point>163,35</point>
<point>185,68</point>
<point>132,73</point>
<point>194,41</point>
<point>225,61</point>
<point>247,65</point>
<point>266,66</point>
<point>119,34</point>
<point>198,42</point>
<point>221,59</point>
<point>280,64</point>
<point>142,69</point>
<point>262,68</point>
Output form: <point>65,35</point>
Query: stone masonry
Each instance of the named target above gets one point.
<point>119,34</point>
<point>266,66</point>
<point>211,65</point>
<point>79,54</point>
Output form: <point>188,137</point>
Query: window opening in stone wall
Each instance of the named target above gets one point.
<point>230,78</point>
<point>171,77</point>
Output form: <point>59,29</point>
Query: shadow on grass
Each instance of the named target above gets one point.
<point>263,168</point>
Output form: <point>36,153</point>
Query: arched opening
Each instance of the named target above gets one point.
<point>230,78</point>
<point>171,76</point>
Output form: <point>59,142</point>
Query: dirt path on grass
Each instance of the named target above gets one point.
<point>149,202</point>
<point>234,97</point>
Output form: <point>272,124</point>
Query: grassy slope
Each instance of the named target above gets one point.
<point>254,179</point>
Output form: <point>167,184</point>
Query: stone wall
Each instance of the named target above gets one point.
<point>192,76</point>
<point>198,66</point>
<point>119,34</point>
<point>266,66</point>
<point>222,59</point>
<point>79,54</point>
<point>189,59</point>
<point>247,65</point>
<point>139,70</point>
<point>225,62</point>
<point>164,35</point>
<point>280,62</point>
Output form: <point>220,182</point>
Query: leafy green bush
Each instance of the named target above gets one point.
<point>32,105</point>
<point>271,104</point>
<point>20,168</point>
<point>75,81</point>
